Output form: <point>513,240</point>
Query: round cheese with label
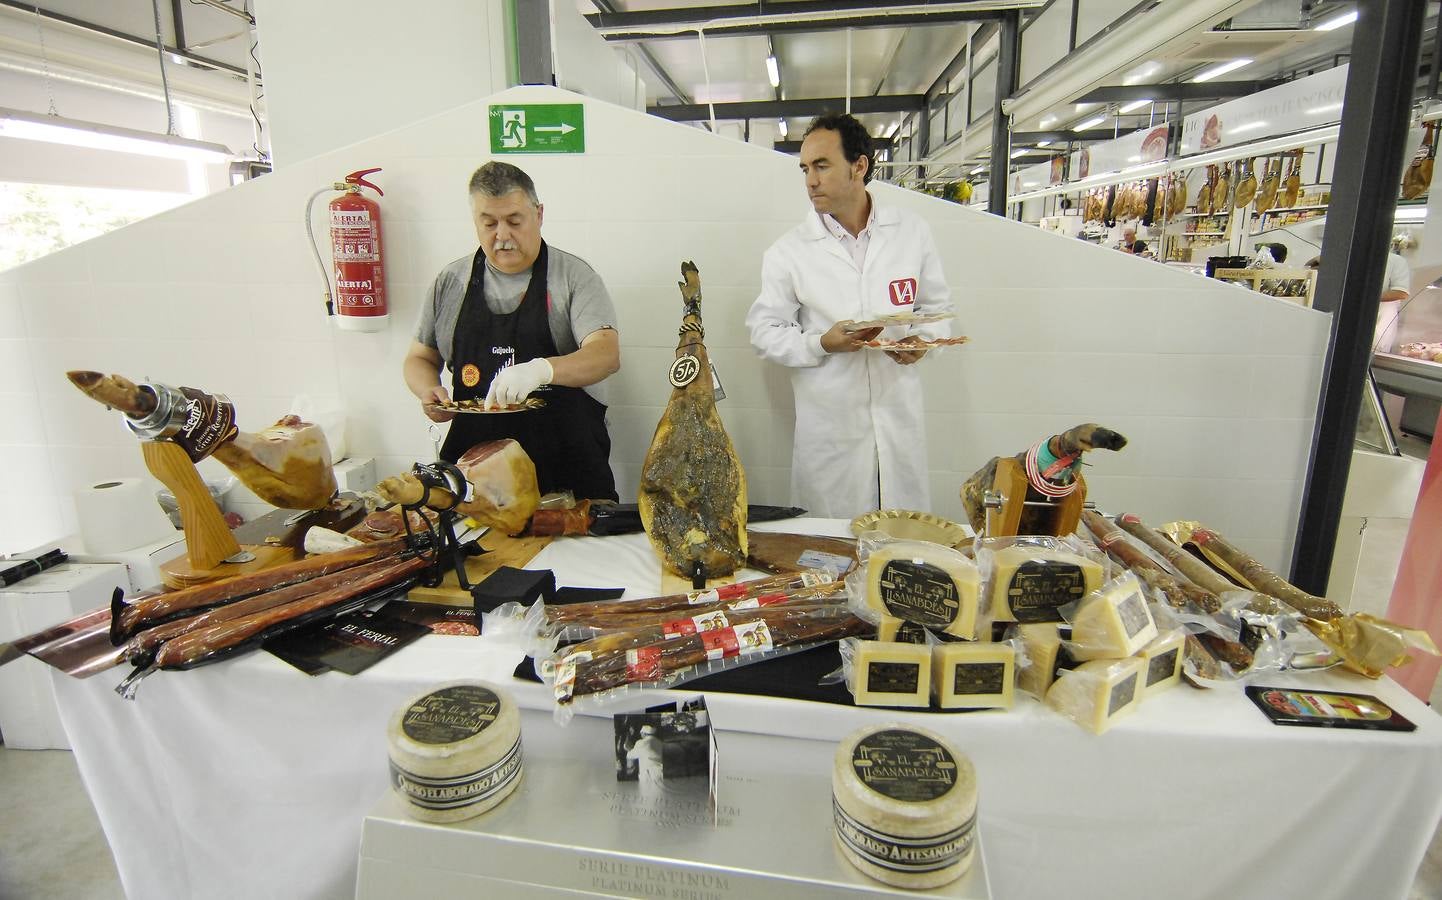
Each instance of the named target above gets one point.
<point>455,751</point>
<point>904,805</point>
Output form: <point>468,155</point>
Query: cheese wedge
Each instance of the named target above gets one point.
<point>890,674</point>
<point>927,584</point>
<point>1028,584</point>
<point>973,676</point>
<point>455,751</point>
<point>1095,694</point>
<point>1163,658</point>
<point>1113,622</point>
<point>900,631</point>
<point>1045,654</point>
<point>904,806</point>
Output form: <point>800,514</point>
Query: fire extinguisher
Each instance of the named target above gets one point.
<point>359,302</point>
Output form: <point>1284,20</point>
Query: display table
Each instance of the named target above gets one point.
<point>249,779</point>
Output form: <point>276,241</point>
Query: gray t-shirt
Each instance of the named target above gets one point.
<point>579,304</point>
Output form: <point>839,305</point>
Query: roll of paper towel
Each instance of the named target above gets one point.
<point>120,514</point>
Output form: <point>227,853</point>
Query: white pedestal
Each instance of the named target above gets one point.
<point>28,716</point>
<point>571,829</point>
<point>142,564</point>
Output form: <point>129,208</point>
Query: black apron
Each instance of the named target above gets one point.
<point>566,439</point>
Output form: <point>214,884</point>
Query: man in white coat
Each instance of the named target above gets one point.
<point>860,438</point>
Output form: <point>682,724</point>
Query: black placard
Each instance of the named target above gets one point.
<point>919,592</point>
<point>1163,666</point>
<point>1123,692</point>
<point>978,678</point>
<point>893,677</point>
<point>1039,587</point>
<point>904,765</point>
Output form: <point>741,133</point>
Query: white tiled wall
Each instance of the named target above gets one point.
<point>1214,386</point>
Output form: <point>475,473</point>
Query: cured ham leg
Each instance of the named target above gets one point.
<point>692,496</point>
<point>502,477</point>
<point>286,465</point>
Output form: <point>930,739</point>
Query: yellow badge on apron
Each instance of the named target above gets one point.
<point>470,375</point>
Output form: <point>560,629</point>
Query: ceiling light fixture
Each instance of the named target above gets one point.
<point>1222,69</point>
<point>773,71</point>
<point>978,170</point>
<point>1143,72</point>
<point>1337,22</point>
<point>1020,151</point>
<point>1135,105</point>
<point>1089,123</point>
<point>781,127</point>
<point>75,133</point>
<point>1043,143</point>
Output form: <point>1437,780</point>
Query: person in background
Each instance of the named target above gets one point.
<point>1129,239</point>
<point>860,441</point>
<point>1396,286</point>
<point>1278,252</point>
<point>518,317</point>
<point>1140,248</point>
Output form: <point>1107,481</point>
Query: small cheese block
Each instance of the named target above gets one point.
<point>890,674</point>
<point>1044,646</point>
<point>973,676</point>
<point>900,631</point>
<point>904,805</point>
<point>1113,622</point>
<point>455,751</point>
<point>1028,584</point>
<point>1163,658</point>
<point>1095,694</point>
<point>925,583</point>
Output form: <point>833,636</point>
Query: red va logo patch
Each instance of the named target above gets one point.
<point>903,292</point>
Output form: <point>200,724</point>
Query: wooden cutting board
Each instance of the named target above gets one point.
<point>502,551</point>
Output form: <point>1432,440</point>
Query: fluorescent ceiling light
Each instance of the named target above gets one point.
<point>1338,22</point>
<point>75,133</point>
<point>773,72</point>
<point>1029,184</point>
<point>1021,151</point>
<point>1083,107</point>
<point>978,170</point>
<point>1135,105</point>
<point>1250,126</point>
<point>1089,123</point>
<point>1409,213</point>
<point>1223,69</point>
<point>781,127</point>
<point>1049,120</point>
<point>1143,72</point>
<point>1043,143</point>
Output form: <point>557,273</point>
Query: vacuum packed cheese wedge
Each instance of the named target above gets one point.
<point>1042,643</point>
<point>925,583</point>
<point>1095,694</point>
<point>1163,658</point>
<point>900,631</point>
<point>973,676</point>
<point>904,805</point>
<point>1028,584</point>
<point>1112,622</point>
<point>890,674</point>
<point>455,751</point>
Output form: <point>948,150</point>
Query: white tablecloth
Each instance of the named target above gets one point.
<point>249,779</point>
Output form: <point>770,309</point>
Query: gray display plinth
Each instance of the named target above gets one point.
<point>571,828</point>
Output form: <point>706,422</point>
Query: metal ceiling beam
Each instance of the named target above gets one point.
<point>776,109</point>
<point>789,11</point>
<point>877,143</point>
<point>646,56</point>
<point>1186,90</point>
<point>146,42</point>
<point>884,20</point>
<point>1376,109</point>
<point>1008,60</point>
<point>1057,137</point>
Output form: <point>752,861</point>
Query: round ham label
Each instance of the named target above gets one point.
<point>904,765</point>
<point>451,714</point>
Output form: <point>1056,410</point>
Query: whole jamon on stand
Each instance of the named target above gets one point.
<point>502,477</point>
<point>692,496</point>
<point>287,465</point>
<point>1047,471</point>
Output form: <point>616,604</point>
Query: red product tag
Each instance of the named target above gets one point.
<point>731,591</point>
<point>772,599</point>
<point>678,628</point>
<point>643,664</point>
<point>720,644</point>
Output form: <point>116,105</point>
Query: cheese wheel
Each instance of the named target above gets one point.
<point>973,676</point>
<point>455,751</point>
<point>904,805</point>
<point>1163,659</point>
<point>1095,694</point>
<point>925,583</point>
<point>890,674</point>
<point>1028,584</point>
<point>1113,622</point>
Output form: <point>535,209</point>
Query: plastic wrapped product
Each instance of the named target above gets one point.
<point>921,582</point>
<point>455,751</point>
<point>901,631</point>
<point>1029,578</point>
<point>1112,622</point>
<point>973,676</point>
<point>881,673</point>
<point>1095,694</point>
<point>904,806</point>
<point>1163,658</point>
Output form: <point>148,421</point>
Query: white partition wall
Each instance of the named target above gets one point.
<point>1214,386</point>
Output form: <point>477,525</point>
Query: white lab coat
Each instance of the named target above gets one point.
<point>859,417</point>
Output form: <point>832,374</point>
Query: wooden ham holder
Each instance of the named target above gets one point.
<point>211,551</point>
<point>1007,498</point>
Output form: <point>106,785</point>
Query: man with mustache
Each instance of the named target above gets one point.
<point>860,440</point>
<point>518,318</point>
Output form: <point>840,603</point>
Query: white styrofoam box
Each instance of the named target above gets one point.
<point>142,564</point>
<point>29,719</point>
<point>356,474</point>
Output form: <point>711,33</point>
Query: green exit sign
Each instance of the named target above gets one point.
<point>538,128</point>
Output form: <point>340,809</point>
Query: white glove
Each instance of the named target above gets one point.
<point>515,383</point>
